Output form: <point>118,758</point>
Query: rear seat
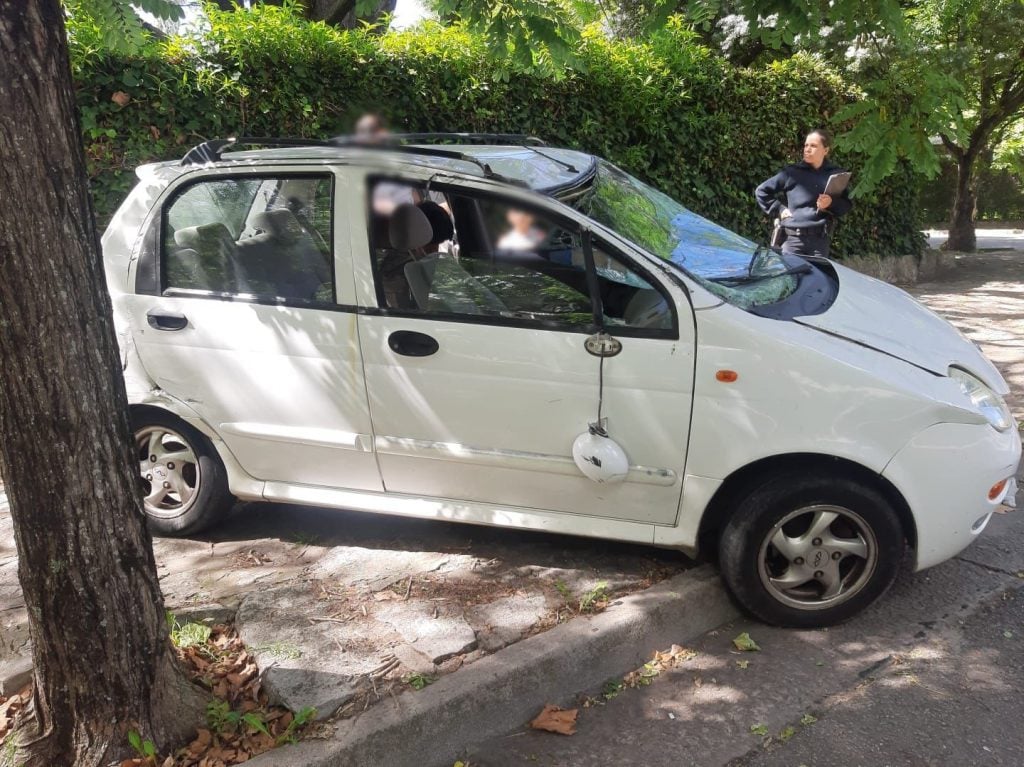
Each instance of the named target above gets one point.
<point>283,259</point>
<point>206,260</point>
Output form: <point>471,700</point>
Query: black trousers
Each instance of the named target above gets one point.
<point>806,242</point>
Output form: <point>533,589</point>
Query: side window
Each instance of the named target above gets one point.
<point>251,236</point>
<point>484,256</point>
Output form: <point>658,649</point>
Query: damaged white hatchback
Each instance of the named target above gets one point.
<point>484,329</point>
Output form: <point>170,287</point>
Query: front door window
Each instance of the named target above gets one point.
<point>447,254</point>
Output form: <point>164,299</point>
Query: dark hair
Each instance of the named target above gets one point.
<point>439,220</point>
<point>824,135</point>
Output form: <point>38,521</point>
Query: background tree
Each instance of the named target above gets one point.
<point>346,14</point>
<point>948,70</point>
<point>102,659</point>
<point>952,70</point>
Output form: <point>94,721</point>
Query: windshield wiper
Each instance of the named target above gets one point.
<point>744,279</point>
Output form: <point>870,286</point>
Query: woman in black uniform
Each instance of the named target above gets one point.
<point>796,195</point>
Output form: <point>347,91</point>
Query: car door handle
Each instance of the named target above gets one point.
<point>412,344</point>
<point>161,320</point>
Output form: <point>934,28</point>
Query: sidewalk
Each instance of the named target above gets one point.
<point>340,607</point>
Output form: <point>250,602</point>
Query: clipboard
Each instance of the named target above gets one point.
<point>837,184</point>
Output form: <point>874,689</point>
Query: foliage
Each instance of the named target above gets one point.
<point>523,36</point>
<point>114,24</point>
<point>418,681</point>
<point>187,634</point>
<point>947,68</point>
<point>667,110</point>
<point>144,748</point>
<point>596,598</point>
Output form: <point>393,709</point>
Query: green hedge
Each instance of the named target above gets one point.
<point>668,110</point>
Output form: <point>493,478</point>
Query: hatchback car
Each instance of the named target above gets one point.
<point>494,331</point>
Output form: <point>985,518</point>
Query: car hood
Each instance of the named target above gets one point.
<point>875,314</point>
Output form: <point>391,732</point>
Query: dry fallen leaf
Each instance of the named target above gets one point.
<point>201,742</point>
<point>120,98</point>
<point>555,719</point>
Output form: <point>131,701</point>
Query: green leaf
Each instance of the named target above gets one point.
<point>744,643</point>
<point>135,740</point>
<point>256,722</point>
<point>759,729</point>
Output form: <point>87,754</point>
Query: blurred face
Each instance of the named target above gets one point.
<point>369,128</point>
<point>814,150</point>
<point>520,220</point>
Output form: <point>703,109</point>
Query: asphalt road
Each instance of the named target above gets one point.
<point>953,701</point>
<point>988,239</point>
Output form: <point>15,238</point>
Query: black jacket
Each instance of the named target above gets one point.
<point>800,184</point>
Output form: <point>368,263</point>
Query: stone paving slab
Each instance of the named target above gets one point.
<point>324,598</point>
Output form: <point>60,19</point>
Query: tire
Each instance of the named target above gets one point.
<point>185,490</point>
<point>771,563</point>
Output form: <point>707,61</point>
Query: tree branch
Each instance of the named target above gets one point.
<point>953,148</point>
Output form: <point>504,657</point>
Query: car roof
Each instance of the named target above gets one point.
<point>541,168</point>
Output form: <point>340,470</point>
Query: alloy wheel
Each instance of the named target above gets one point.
<point>169,469</point>
<point>817,557</point>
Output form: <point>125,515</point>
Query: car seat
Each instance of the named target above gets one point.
<point>209,263</point>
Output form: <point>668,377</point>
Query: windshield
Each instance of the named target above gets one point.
<point>728,265</point>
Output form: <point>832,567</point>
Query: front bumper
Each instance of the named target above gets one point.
<point>945,474</point>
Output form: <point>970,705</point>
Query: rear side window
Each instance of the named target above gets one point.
<point>264,237</point>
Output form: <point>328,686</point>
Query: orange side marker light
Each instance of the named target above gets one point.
<point>726,376</point>
<point>997,488</point>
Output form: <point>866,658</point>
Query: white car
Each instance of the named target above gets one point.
<point>499,332</point>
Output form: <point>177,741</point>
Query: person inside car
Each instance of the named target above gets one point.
<point>524,233</point>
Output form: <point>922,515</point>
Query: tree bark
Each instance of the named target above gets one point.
<point>103,661</point>
<point>961,224</point>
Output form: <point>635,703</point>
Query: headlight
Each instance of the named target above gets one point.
<point>986,401</point>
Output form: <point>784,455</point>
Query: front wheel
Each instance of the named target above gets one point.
<point>184,484</point>
<point>810,552</point>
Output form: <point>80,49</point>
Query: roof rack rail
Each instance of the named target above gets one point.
<point>510,139</point>
<point>514,139</point>
<point>212,150</point>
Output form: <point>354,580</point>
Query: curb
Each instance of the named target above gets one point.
<point>501,692</point>
<point>15,673</point>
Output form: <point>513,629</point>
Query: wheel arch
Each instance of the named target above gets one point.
<point>746,478</point>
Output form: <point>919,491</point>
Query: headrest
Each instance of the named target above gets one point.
<point>440,221</point>
<point>196,237</point>
<point>409,228</point>
<point>281,224</point>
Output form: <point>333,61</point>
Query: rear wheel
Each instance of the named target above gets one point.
<point>184,484</point>
<point>810,552</point>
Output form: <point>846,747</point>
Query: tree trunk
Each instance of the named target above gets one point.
<point>961,223</point>
<point>103,662</point>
